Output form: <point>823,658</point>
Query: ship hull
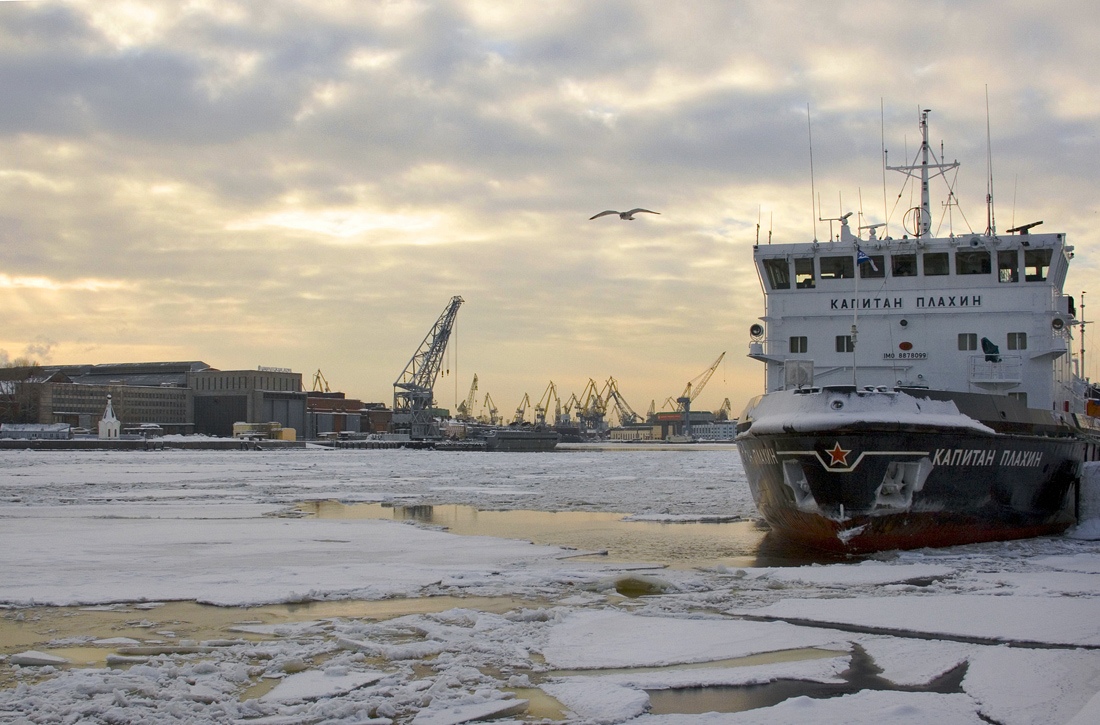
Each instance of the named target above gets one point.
<point>860,486</point>
<point>521,440</point>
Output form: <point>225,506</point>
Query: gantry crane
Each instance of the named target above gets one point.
<point>521,411</point>
<point>320,385</point>
<point>691,392</point>
<point>491,407</point>
<point>627,416</point>
<point>543,405</point>
<point>592,407</point>
<point>466,407</point>
<point>566,417</point>
<point>723,413</point>
<point>413,397</point>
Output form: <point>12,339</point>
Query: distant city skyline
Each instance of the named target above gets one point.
<point>306,185</point>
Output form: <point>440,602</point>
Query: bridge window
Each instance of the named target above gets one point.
<point>875,268</point>
<point>844,343</point>
<point>1036,264</point>
<point>799,344</point>
<point>837,268</point>
<point>968,341</point>
<point>1017,341</point>
<point>972,262</point>
<point>778,272</point>
<point>804,273</point>
<point>936,264</point>
<point>904,265</point>
<point>1008,266</point>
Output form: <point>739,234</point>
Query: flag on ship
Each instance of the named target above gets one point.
<point>862,257</point>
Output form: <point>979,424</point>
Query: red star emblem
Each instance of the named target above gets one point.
<point>838,455</point>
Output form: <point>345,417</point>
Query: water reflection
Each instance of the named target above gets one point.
<point>862,674</point>
<point>674,544</point>
<point>173,623</point>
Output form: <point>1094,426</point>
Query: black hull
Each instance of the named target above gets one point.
<point>521,440</point>
<point>868,490</point>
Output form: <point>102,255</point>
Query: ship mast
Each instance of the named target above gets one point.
<point>928,163</point>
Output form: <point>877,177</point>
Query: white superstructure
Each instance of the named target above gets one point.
<point>968,312</point>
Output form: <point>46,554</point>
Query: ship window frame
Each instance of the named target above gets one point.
<point>1041,266</point>
<point>1017,341</point>
<point>933,262</point>
<point>1008,265</point>
<point>973,261</point>
<point>837,267</point>
<point>844,343</point>
<point>968,341</point>
<point>798,344</point>
<point>804,279</point>
<point>875,270</point>
<point>903,265</point>
<point>778,272</point>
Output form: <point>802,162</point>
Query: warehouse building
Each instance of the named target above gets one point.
<point>179,397</point>
<point>76,395</point>
<point>265,395</point>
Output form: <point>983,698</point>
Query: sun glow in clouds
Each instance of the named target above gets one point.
<point>45,283</point>
<point>338,223</point>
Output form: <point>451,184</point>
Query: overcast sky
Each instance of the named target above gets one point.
<point>307,184</point>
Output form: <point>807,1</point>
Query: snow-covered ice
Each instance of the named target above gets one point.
<point>315,684</point>
<point>121,533</point>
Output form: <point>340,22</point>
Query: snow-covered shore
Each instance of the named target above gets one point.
<point>1019,620</point>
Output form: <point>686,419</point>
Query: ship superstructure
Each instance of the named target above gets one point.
<point>918,391</point>
<point>971,313</point>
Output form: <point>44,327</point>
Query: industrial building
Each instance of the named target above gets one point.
<point>179,397</point>
<point>266,395</point>
<point>182,398</point>
<point>77,394</point>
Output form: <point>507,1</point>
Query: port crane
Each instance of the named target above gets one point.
<point>320,384</point>
<point>566,417</point>
<point>466,407</point>
<point>521,410</point>
<point>592,407</point>
<point>692,390</point>
<point>723,413</point>
<point>551,393</point>
<point>491,407</point>
<point>413,396</point>
<point>627,416</point>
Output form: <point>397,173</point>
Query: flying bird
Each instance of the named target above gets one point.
<point>626,215</point>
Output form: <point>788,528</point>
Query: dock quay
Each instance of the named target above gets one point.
<point>148,444</point>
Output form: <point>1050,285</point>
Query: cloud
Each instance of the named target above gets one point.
<point>307,184</point>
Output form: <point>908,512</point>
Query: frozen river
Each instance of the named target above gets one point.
<point>584,585</point>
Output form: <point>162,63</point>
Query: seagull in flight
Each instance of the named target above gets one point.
<point>625,215</point>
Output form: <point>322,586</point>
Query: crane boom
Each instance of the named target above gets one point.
<point>466,407</point>
<point>491,407</point>
<point>696,384</point>
<point>412,391</point>
<point>627,416</point>
<point>521,411</point>
<point>691,392</point>
<point>551,393</point>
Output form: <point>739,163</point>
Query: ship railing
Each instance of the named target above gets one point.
<point>1002,369</point>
